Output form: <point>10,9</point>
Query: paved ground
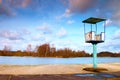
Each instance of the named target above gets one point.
<point>55,77</point>
<point>45,77</point>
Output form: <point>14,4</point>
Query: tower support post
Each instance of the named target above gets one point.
<point>94,55</point>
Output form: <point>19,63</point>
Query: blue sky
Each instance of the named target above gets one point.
<point>58,22</point>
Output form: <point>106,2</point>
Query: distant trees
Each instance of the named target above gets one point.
<point>108,54</point>
<point>45,50</point>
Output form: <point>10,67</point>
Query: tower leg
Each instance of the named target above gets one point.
<point>94,56</point>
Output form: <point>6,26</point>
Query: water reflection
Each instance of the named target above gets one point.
<point>38,61</point>
<point>98,76</point>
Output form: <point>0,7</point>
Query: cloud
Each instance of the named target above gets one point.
<point>14,44</point>
<point>38,37</point>
<point>108,9</point>
<point>66,14</point>
<point>11,35</point>
<point>9,7</point>
<point>10,42</point>
<point>25,32</point>
<point>110,45</point>
<point>117,35</point>
<point>80,5</point>
<point>108,22</point>
<point>62,32</point>
<point>116,19</point>
<point>20,3</point>
<point>65,2</point>
<point>0,1</point>
<point>74,6</point>
<point>45,28</point>
<point>62,43</point>
<point>70,21</point>
<point>41,38</point>
<point>17,3</point>
<point>5,10</point>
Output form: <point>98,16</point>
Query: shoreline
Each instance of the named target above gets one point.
<point>54,69</point>
<point>62,57</point>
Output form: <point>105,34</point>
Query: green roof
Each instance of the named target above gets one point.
<point>93,20</point>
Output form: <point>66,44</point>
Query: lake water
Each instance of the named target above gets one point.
<point>38,61</point>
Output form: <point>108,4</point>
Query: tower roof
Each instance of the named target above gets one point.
<point>93,20</point>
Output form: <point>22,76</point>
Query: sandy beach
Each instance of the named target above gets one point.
<point>54,69</point>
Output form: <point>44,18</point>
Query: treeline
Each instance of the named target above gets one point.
<point>108,54</point>
<point>45,50</point>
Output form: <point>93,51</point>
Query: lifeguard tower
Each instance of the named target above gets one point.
<point>94,34</point>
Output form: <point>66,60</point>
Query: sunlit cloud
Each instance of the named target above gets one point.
<point>109,9</point>
<point>9,7</point>
<point>20,3</point>
<point>0,1</point>
<point>5,10</point>
<point>80,5</point>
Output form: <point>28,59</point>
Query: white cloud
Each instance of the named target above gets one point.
<point>61,44</point>
<point>70,21</point>
<point>117,34</point>
<point>25,32</point>
<point>15,44</point>
<point>38,37</point>
<point>66,14</point>
<point>42,38</point>
<point>12,35</point>
<point>4,42</point>
<point>112,44</point>
<point>108,22</point>
<point>45,28</point>
<point>62,32</point>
